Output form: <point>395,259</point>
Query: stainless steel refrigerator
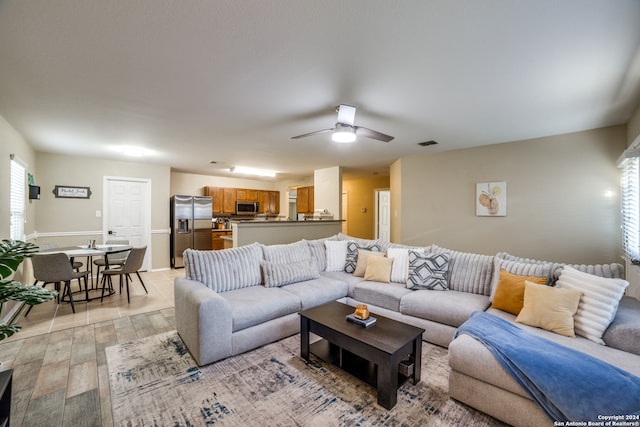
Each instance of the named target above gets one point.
<point>190,226</point>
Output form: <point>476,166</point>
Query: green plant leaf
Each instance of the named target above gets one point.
<point>12,253</point>
<point>7,330</point>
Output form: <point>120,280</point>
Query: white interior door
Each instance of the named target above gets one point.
<point>127,212</point>
<point>383,213</point>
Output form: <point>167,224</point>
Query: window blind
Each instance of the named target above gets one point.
<point>630,208</point>
<point>17,202</point>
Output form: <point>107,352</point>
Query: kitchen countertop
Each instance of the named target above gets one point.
<point>218,230</point>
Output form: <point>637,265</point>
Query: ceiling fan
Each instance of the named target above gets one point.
<point>345,131</point>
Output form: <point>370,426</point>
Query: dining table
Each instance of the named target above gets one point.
<point>89,252</point>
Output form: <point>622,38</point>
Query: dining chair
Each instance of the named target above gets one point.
<point>116,258</point>
<point>56,268</point>
<point>48,246</point>
<point>132,264</point>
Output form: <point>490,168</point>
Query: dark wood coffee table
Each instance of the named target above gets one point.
<point>373,354</point>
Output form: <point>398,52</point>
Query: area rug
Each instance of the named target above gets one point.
<point>155,382</point>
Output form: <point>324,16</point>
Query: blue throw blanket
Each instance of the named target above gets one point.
<point>567,384</point>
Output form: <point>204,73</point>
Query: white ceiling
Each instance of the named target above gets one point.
<point>231,81</point>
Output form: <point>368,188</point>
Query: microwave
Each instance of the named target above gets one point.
<point>247,208</point>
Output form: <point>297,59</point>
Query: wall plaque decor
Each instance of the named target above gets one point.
<point>71,192</point>
<point>491,199</point>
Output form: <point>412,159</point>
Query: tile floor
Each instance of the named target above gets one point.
<point>60,372</point>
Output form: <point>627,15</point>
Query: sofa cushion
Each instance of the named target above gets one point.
<point>549,308</point>
<point>468,272</point>
<point>257,304</point>
<point>319,251</point>
<point>428,271</point>
<point>451,308</point>
<point>286,253</point>
<point>226,269</point>
<point>313,293</point>
<point>624,332</point>
<point>378,269</point>
<point>336,254</point>
<point>275,274</point>
<point>385,295</point>
<point>347,278</point>
<point>598,304</point>
<point>610,271</point>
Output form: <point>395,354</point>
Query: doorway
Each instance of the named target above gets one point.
<point>127,212</point>
<point>383,215</point>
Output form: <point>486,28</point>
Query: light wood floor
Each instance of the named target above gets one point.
<point>60,372</point>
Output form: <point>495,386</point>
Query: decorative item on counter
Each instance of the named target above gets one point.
<point>361,316</point>
<point>362,312</point>
<point>220,224</point>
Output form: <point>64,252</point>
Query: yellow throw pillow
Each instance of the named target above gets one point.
<point>509,294</point>
<point>361,264</point>
<point>550,308</point>
<point>378,269</point>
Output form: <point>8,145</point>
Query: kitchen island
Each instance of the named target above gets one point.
<point>266,232</point>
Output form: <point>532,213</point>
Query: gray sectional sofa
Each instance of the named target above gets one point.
<point>235,300</point>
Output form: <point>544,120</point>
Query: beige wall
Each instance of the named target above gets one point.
<point>361,195</point>
<point>72,221</point>
<point>562,198</point>
<point>11,142</point>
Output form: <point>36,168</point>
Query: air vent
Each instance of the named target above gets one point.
<point>427,143</point>
<point>213,162</point>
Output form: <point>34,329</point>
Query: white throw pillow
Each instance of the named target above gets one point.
<point>598,304</point>
<point>400,267</point>
<point>336,254</point>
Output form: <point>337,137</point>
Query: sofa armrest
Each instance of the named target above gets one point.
<point>624,332</point>
<point>204,321</point>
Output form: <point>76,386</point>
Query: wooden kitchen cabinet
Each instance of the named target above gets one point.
<point>217,196</point>
<point>305,200</point>
<point>229,200</point>
<point>269,202</point>
<point>246,195</point>
<point>274,202</point>
<point>217,242</point>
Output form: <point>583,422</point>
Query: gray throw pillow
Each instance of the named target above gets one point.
<point>428,271</point>
<point>276,275</point>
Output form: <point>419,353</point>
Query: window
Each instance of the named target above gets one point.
<point>17,208</point>
<point>630,166</point>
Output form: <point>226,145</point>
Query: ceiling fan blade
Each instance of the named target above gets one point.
<point>346,114</point>
<point>373,134</point>
<point>304,135</point>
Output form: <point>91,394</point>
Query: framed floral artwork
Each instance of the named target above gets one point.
<point>491,199</point>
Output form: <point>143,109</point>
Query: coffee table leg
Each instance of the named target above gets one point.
<point>387,384</point>
<point>304,338</point>
<point>417,356</point>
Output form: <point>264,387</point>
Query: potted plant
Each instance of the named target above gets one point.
<point>12,253</point>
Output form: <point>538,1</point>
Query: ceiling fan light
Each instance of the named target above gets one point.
<point>343,133</point>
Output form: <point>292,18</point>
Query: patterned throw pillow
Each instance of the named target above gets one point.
<point>428,271</point>
<point>352,254</point>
